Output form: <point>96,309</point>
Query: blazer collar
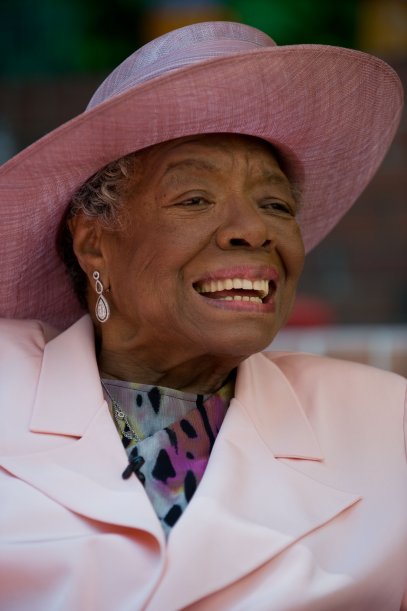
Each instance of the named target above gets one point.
<point>254,500</point>
<point>274,408</point>
<point>61,406</point>
<point>260,384</point>
<point>84,473</point>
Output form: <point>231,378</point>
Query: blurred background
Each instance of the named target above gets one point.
<point>352,300</point>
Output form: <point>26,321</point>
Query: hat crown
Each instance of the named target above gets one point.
<point>182,47</point>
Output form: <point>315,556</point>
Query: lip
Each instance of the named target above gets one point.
<point>266,307</point>
<point>245,272</point>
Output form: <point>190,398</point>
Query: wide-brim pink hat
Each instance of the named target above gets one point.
<point>331,112</point>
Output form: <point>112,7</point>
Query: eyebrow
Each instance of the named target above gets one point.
<point>199,164</point>
<point>275,178</point>
<point>282,179</point>
<point>270,176</point>
<point>202,164</point>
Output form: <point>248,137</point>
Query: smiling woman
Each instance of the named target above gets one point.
<point>219,208</point>
<point>166,462</point>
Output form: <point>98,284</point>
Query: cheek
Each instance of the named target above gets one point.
<point>148,262</point>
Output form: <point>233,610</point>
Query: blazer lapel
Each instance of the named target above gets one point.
<point>82,467</point>
<point>250,505</point>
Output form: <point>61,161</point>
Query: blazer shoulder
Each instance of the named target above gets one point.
<point>298,363</point>
<point>315,371</point>
<point>22,344</point>
<point>345,387</point>
<point>23,337</point>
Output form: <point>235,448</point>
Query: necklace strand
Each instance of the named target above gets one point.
<point>120,416</point>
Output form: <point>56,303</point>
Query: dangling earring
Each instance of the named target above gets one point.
<point>102,310</point>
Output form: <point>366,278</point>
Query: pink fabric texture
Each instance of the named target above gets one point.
<point>302,506</point>
<point>331,112</point>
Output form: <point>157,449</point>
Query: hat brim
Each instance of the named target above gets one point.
<point>331,112</point>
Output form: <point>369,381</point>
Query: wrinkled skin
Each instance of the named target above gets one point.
<point>204,207</point>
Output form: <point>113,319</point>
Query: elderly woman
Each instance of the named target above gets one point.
<point>151,456</point>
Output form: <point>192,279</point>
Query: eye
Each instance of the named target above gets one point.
<point>194,202</point>
<point>279,207</point>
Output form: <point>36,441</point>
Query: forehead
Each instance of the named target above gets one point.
<point>221,141</point>
<point>209,152</point>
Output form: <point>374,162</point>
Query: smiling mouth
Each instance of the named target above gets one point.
<point>237,289</point>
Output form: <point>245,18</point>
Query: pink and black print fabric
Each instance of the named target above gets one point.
<point>177,432</point>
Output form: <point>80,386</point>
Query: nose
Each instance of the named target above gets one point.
<point>244,227</point>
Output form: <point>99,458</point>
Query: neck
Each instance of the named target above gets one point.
<point>203,375</point>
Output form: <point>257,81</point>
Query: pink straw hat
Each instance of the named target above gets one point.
<point>331,112</point>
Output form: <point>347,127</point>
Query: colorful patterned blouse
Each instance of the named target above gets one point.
<point>173,433</point>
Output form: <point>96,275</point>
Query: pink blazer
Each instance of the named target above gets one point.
<point>303,505</point>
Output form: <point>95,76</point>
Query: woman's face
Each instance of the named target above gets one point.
<point>210,252</point>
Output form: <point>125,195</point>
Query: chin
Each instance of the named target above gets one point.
<point>244,345</point>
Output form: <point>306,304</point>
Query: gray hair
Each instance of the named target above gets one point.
<point>101,197</point>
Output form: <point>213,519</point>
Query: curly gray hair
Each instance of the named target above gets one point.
<point>101,197</point>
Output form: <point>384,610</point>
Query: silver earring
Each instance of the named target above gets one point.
<point>102,310</point>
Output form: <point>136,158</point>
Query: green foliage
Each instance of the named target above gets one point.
<point>300,21</point>
<point>40,37</point>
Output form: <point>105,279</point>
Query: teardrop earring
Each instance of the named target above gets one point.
<point>102,310</point>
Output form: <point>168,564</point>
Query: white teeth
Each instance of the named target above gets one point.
<point>240,298</point>
<point>212,286</point>
<point>262,286</point>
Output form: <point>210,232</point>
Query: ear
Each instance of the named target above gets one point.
<point>87,234</point>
